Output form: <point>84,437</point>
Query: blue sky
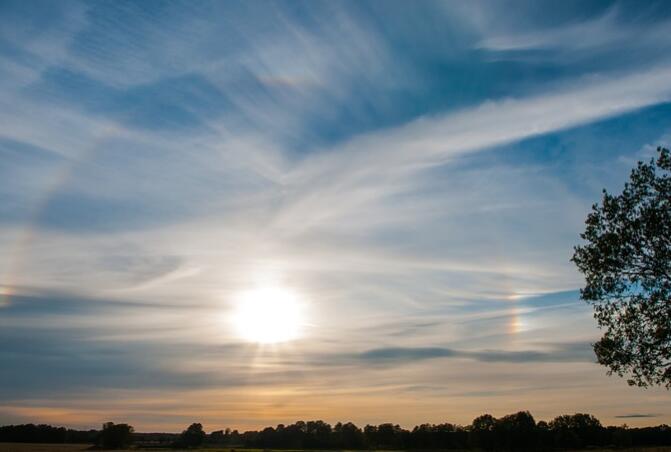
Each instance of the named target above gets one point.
<point>415,174</point>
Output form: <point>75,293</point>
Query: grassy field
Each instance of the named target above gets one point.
<point>23,447</point>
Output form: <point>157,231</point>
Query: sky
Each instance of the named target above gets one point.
<point>250,213</point>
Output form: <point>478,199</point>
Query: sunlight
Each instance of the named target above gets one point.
<point>268,316</point>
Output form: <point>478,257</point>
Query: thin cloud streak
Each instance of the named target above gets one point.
<point>419,178</point>
<point>396,355</point>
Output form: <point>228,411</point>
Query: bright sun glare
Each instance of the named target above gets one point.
<point>268,316</point>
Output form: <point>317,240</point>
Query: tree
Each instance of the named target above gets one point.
<point>516,431</point>
<point>348,436</point>
<point>318,435</point>
<point>192,436</point>
<point>220,436</point>
<point>115,436</point>
<point>482,432</point>
<point>576,430</point>
<point>626,261</point>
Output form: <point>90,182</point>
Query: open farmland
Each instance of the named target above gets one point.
<point>26,447</point>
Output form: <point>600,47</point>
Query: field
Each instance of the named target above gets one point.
<point>24,447</point>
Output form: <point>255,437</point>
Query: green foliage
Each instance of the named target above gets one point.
<point>626,261</point>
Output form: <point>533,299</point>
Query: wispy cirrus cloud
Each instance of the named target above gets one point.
<point>419,176</point>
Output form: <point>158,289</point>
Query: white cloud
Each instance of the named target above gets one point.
<point>350,196</point>
<point>385,228</point>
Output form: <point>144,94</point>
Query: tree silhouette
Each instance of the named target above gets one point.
<point>115,436</point>
<point>576,430</point>
<point>219,436</point>
<point>516,431</point>
<point>482,432</point>
<point>193,436</point>
<point>626,261</point>
<point>348,436</point>
<point>512,432</point>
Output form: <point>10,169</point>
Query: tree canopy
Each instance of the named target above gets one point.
<point>626,261</point>
<point>514,432</point>
<point>115,436</point>
<point>193,436</point>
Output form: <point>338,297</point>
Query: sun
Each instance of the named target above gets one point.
<point>268,315</point>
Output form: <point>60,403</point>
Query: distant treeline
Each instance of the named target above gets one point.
<point>512,432</point>
<point>31,433</point>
